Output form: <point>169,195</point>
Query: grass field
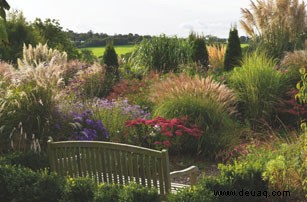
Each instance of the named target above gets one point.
<point>120,50</point>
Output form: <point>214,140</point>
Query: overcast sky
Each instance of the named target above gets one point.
<point>153,17</point>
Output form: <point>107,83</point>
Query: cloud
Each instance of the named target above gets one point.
<point>218,28</point>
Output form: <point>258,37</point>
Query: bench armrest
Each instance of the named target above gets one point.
<point>192,171</point>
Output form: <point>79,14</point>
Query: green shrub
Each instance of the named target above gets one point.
<point>218,127</point>
<point>110,56</point>
<point>138,193</point>
<point>23,184</point>
<point>30,159</point>
<point>79,190</point>
<point>162,54</point>
<point>199,49</point>
<point>233,55</point>
<point>259,87</point>
<point>108,193</point>
<point>194,194</point>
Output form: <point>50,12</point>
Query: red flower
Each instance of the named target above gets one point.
<point>178,133</point>
<point>157,143</point>
<point>168,133</point>
<point>167,143</point>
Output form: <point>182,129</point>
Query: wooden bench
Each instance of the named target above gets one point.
<point>107,162</point>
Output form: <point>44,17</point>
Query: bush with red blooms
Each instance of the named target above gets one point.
<point>161,133</point>
<point>294,111</point>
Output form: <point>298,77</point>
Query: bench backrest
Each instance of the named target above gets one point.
<point>109,162</point>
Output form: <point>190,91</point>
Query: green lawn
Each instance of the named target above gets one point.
<point>120,50</point>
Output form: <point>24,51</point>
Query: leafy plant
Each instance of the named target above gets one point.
<point>259,87</point>
<point>79,190</point>
<point>162,54</point>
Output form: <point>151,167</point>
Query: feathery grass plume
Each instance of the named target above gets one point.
<point>259,87</point>
<point>278,25</point>
<point>41,54</point>
<point>91,82</point>
<point>292,63</point>
<point>184,85</point>
<point>216,55</point>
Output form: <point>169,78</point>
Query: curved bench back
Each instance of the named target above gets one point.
<point>108,162</point>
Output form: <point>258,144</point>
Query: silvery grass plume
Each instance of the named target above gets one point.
<point>41,54</point>
<point>184,85</point>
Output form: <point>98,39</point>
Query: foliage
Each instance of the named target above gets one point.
<point>3,33</point>
<point>138,193</point>
<point>276,25</point>
<point>216,55</point>
<point>110,193</point>
<point>19,32</point>
<point>79,190</point>
<point>22,184</point>
<point>26,111</point>
<point>90,82</point>
<point>184,85</point>
<point>259,87</point>
<point>3,6</point>
<point>110,56</point>
<point>87,56</point>
<point>114,114</point>
<point>135,90</point>
<point>52,33</point>
<point>162,54</point>
<point>194,194</point>
<point>216,124</point>
<point>199,49</point>
<point>163,133</point>
<point>30,159</point>
<point>292,62</point>
<point>233,55</point>
<point>41,54</point>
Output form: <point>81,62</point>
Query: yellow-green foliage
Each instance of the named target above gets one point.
<point>259,86</point>
<point>41,54</point>
<point>180,86</point>
<point>216,55</point>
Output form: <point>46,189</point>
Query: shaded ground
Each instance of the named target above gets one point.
<point>208,168</point>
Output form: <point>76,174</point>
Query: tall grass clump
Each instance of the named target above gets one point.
<point>219,129</point>
<point>292,62</point>
<point>162,54</point>
<point>216,55</point>
<point>204,102</point>
<point>184,85</point>
<point>41,54</point>
<point>259,87</point>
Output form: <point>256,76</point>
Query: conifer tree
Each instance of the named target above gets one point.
<point>199,49</point>
<point>233,55</point>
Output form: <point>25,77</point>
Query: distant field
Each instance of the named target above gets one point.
<point>244,45</point>
<point>120,50</point>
